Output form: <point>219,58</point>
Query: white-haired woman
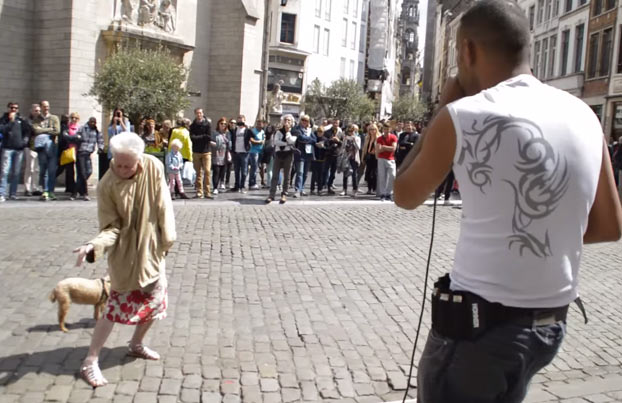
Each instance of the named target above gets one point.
<point>284,144</point>
<point>136,229</point>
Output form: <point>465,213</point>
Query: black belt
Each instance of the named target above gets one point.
<point>529,316</point>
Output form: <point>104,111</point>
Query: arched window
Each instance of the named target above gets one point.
<point>411,36</point>
<point>411,11</point>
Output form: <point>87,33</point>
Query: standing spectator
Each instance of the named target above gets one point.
<point>16,134</point>
<point>136,241</point>
<point>304,157</point>
<point>369,158</point>
<point>284,144</point>
<point>267,157</point>
<point>47,127</point>
<point>201,136</point>
<point>406,141</point>
<point>174,165</point>
<point>351,158</point>
<point>153,142</point>
<point>31,171</point>
<point>222,153</point>
<point>233,124</point>
<point>333,149</point>
<point>317,166</point>
<point>385,152</point>
<point>118,124</point>
<point>164,133</point>
<point>69,139</point>
<point>257,144</point>
<point>182,133</point>
<point>241,145</point>
<point>91,139</point>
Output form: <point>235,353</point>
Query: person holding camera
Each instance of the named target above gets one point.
<point>284,145</point>
<point>118,124</point>
<point>536,184</point>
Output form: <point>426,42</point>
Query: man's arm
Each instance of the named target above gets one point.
<point>430,166</point>
<point>605,219</point>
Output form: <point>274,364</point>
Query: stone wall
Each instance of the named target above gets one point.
<point>16,52</point>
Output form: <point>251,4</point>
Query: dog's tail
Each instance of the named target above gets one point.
<point>52,296</point>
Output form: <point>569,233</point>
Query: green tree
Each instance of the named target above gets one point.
<point>344,99</point>
<point>144,82</point>
<point>409,108</point>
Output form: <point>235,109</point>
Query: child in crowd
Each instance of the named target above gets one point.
<point>174,165</point>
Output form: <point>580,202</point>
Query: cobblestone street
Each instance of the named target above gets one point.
<point>314,301</point>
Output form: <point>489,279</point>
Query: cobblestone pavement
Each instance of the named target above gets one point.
<point>313,301</point>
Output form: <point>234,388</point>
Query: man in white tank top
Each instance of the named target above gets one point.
<point>536,184</point>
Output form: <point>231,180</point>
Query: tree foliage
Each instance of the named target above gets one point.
<point>343,99</point>
<point>409,108</point>
<point>144,82</point>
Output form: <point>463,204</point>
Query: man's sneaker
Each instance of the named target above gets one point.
<point>215,192</point>
<point>254,187</point>
<point>313,193</point>
<point>303,194</point>
<point>344,193</point>
<point>72,197</point>
<point>37,193</point>
<point>86,198</point>
<point>295,195</point>
<point>199,196</point>
<point>283,199</point>
<point>222,188</point>
<point>243,190</point>
<point>52,196</point>
<point>27,194</point>
<point>2,199</point>
<point>12,197</point>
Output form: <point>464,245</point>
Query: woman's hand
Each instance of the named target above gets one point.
<point>82,252</point>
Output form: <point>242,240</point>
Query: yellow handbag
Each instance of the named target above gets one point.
<point>68,156</point>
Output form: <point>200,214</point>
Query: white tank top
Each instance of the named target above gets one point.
<point>528,159</point>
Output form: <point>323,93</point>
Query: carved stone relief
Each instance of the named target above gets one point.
<point>155,14</point>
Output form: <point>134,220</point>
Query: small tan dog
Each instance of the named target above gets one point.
<point>81,291</point>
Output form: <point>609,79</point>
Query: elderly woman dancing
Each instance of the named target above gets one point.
<point>137,228</point>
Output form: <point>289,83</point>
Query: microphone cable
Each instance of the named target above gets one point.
<point>425,297</point>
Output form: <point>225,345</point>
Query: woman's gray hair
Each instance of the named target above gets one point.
<point>288,116</point>
<point>127,143</point>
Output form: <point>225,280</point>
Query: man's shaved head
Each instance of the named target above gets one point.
<point>498,26</point>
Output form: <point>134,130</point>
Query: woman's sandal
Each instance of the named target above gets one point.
<point>142,351</point>
<point>93,375</point>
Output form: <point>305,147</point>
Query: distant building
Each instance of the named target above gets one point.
<point>315,39</point>
<point>410,66</point>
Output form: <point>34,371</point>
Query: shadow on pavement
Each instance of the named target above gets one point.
<point>62,361</point>
<point>82,324</point>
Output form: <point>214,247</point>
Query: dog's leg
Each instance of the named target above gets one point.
<point>63,309</point>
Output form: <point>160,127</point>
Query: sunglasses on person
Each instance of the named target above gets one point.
<point>14,108</point>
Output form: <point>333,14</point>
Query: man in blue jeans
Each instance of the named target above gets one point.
<point>257,143</point>
<point>15,136</point>
<point>46,125</point>
<point>240,146</point>
<point>530,203</point>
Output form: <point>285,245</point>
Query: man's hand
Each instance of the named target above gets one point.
<point>82,252</point>
<point>12,116</point>
<point>452,91</point>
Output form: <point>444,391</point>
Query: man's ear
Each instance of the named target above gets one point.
<point>470,52</point>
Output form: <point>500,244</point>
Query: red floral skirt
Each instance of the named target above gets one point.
<point>138,306</point>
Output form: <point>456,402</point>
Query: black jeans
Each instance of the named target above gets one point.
<point>446,186</point>
<point>330,169</point>
<point>283,162</point>
<point>70,176</point>
<point>218,175</point>
<point>371,172</point>
<point>496,367</point>
<point>317,175</point>
<point>85,169</point>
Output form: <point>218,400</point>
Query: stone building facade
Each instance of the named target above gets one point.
<point>51,49</point>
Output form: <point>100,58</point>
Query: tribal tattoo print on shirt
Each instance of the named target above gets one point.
<point>543,181</point>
